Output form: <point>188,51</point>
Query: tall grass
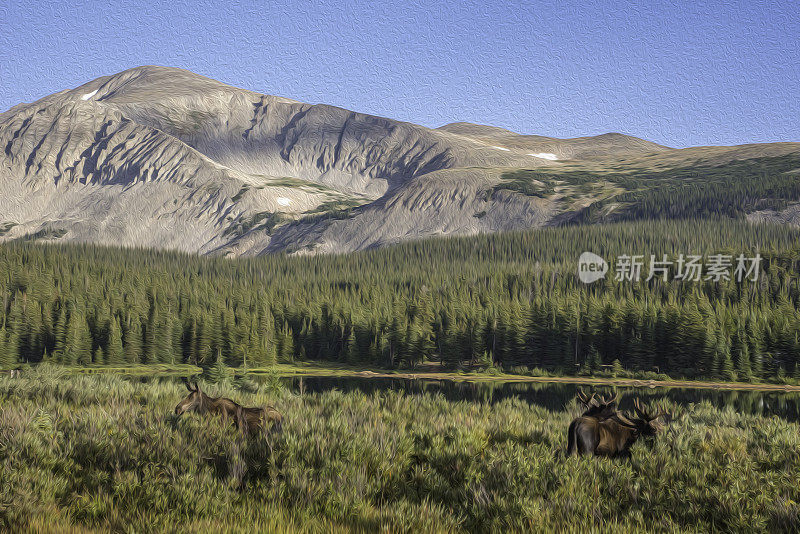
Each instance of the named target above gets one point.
<point>104,453</point>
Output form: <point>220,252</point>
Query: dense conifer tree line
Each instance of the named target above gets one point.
<point>504,299</point>
<point>731,189</point>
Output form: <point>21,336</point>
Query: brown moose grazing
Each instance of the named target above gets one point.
<point>612,434</point>
<point>247,420</point>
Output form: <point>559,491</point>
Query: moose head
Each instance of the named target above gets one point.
<point>646,422</point>
<point>193,401</point>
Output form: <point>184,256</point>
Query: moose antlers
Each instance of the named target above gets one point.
<point>597,404</point>
<point>605,407</point>
<point>601,407</point>
<point>189,386</point>
<point>584,399</point>
<point>600,401</point>
<point>609,400</point>
<point>648,415</point>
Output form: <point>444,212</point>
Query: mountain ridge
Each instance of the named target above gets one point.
<point>162,157</point>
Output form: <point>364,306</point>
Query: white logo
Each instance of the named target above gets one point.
<point>591,267</point>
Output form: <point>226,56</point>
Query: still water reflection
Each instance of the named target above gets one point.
<point>556,396</point>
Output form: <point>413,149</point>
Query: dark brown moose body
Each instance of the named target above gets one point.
<point>588,435</point>
<point>247,420</point>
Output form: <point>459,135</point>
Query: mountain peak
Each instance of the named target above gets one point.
<point>163,157</point>
<point>154,82</point>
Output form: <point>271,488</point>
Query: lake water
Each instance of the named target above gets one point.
<point>555,396</point>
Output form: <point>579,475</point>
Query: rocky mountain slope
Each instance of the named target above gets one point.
<point>600,146</point>
<point>161,157</point>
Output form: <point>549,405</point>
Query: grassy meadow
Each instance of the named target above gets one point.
<point>101,453</point>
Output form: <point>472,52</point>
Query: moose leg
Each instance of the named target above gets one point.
<point>241,421</point>
<point>572,440</point>
<point>586,440</point>
<point>606,447</point>
<point>272,419</point>
<point>604,450</point>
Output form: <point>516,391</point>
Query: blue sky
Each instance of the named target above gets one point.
<point>680,74</point>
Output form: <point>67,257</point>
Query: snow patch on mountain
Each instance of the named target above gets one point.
<point>545,155</point>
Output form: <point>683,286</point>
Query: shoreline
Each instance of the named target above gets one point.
<point>315,370</point>
<point>321,371</point>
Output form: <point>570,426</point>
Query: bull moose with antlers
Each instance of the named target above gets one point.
<point>603,431</point>
<point>247,420</point>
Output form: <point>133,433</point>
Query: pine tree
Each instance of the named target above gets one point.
<point>204,342</point>
<point>219,371</point>
<point>7,357</point>
<point>78,348</point>
<point>710,353</point>
<point>151,337</point>
<point>394,339</point>
<point>176,343</point>
<point>724,363</point>
<point>47,326</point>
<point>164,342</point>
<point>264,338</point>
<point>133,341</point>
<point>351,355</point>
<point>114,350</point>
<point>743,362</point>
<point>285,344</point>
<point>594,361</point>
<point>33,344</point>
<point>60,334</point>
<point>15,327</point>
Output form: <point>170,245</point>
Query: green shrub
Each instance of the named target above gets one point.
<point>104,453</point>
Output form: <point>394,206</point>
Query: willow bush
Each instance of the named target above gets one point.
<point>102,453</point>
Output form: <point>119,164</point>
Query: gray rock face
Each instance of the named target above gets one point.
<point>161,157</point>
<point>452,201</point>
<point>789,215</point>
